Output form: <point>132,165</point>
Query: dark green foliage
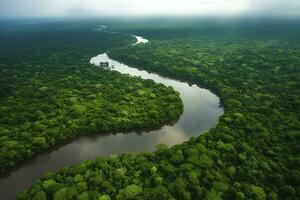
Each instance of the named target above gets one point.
<point>50,93</point>
<point>253,152</point>
<point>258,81</point>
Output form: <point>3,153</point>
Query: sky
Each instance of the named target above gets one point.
<point>69,8</point>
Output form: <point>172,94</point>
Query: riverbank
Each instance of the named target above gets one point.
<point>201,112</point>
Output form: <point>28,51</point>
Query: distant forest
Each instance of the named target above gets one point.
<point>50,93</point>
<point>252,153</point>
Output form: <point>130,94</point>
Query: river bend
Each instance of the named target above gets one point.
<point>201,112</point>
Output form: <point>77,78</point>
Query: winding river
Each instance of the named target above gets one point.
<point>201,112</point>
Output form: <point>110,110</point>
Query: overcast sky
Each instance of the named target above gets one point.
<point>56,8</point>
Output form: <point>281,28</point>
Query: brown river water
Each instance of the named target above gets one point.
<point>201,112</point>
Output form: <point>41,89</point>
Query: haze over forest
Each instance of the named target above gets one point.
<point>149,99</point>
<point>79,8</point>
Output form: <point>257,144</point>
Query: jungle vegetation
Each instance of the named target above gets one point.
<point>253,152</point>
<point>49,93</point>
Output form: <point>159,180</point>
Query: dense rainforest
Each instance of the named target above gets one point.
<point>253,152</point>
<point>49,93</point>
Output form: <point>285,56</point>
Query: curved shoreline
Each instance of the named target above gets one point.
<point>201,112</point>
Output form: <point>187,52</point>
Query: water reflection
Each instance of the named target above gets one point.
<point>201,112</point>
<point>140,40</point>
<point>201,107</point>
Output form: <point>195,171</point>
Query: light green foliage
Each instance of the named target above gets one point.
<point>40,196</point>
<point>158,181</point>
<point>202,161</point>
<point>252,153</point>
<point>104,197</point>
<point>231,170</point>
<point>129,192</point>
<point>77,110</point>
<point>83,196</point>
<point>212,195</point>
<point>121,171</point>
<point>49,185</point>
<point>258,193</point>
<point>65,194</point>
<point>220,186</point>
<point>153,170</point>
<point>50,93</point>
<point>193,178</point>
<point>240,196</point>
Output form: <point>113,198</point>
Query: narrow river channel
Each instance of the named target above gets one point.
<point>201,112</point>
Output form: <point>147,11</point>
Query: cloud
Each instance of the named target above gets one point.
<point>17,8</point>
<point>276,7</point>
<point>162,7</point>
<point>46,8</point>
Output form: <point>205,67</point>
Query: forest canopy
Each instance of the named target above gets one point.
<point>253,152</point>
<point>50,93</point>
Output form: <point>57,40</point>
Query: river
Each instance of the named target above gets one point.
<point>201,112</point>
